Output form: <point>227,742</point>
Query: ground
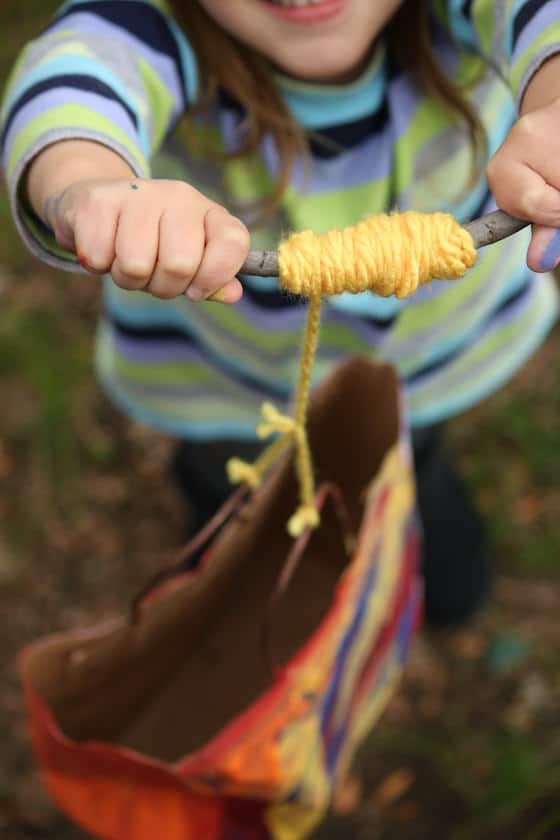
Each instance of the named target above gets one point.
<point>469,747</point>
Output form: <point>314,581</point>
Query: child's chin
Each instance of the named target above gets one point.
<point>336,71</point>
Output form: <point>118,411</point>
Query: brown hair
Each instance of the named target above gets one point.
<point>245,75</point>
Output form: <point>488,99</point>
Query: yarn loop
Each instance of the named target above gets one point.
<point>385,254</point>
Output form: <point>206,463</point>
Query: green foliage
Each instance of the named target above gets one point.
<point>20,21</point>
<point>517,773</point>
<point>510,452</point>
<point>36,355</point>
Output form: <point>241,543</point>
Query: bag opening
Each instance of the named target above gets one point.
<point>167,684</point>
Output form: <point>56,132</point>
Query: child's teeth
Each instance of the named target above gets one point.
<point>288,3</point>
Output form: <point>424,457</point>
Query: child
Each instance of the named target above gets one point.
<point>299,114</point>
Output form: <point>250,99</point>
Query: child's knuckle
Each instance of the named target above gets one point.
<point>79,218</point>
<point>494,170</point>
<point>179,190</point>
<point>527,202</point>
<point>123,281</point>
<point>97,260</point>
<point>209,282</point>
<point>527,127</point>
<point>166,291</point>
<point>238,237</point>
<point>137,268</point>
<point>92,201</point>
<point>179,266</point>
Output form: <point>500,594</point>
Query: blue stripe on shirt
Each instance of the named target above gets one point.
<point>147,24</point>
<point>76,81</point>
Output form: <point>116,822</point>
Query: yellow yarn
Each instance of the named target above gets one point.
<point>385,254</point>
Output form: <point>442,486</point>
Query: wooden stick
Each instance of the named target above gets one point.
<point>485,231</point>
<point>494,227</point>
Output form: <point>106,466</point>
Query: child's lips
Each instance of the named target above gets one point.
<point>321,12</point>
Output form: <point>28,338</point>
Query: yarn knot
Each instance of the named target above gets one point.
<point>306,516</point>
<point>239,471</point>
<point>274,422</point>
<point>386,255</point>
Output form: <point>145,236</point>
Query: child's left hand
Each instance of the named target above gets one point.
<point>524,174</point>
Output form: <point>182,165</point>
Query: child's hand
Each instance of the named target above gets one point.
<point>524,174</point>
<point>163,237</point>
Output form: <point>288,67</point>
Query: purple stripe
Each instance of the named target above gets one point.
<point>290,319</point>
<point>86,23</point>
<point>466,372</point>
<point>200,391</point>
<point>475,310</point>
<point>545,17</point>
<point>332,738</point>
<point>370,161</point>
<point>551,253</point>
<point>370,333</point>
<point>167,351</point>
<point>64,96</point>
<point>404,100</point>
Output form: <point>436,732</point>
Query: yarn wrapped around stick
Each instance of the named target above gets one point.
<point>385,254</point>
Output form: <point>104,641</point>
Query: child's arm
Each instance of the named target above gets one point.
<point>160,236</point>
<point>87,105</point>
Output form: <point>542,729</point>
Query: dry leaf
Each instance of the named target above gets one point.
<point>468,644</point>
<point>347,796</point>
<point>407,811</point>
<point>393,787</point>
<point>528,509</point>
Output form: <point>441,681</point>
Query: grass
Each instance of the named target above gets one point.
<point>510,451</point>
<point>35,353</point>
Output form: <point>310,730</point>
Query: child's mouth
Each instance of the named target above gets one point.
<point>306,11</point>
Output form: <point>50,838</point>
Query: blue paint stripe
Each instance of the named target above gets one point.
<point>340,661</point>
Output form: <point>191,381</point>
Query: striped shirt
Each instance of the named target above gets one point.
<point>121,72</point>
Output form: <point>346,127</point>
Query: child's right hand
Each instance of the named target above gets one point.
<point>163,237</point>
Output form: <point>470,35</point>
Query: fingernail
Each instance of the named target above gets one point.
<point>551,253</point>
<point>193,293</point>
<point>219,296</point>
<point>83,261</point>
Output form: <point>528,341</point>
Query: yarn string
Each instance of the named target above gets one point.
<point>290,430</point>
<point>386,255</point>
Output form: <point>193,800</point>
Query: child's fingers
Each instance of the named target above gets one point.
<point>544,250</point>
<point>230,293</point>
<point>179,254</point>
<point>60,220</point>
<point>227,246</point>
<point>136,245</point>
<point>95,240</point>
<point>524,193</point>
